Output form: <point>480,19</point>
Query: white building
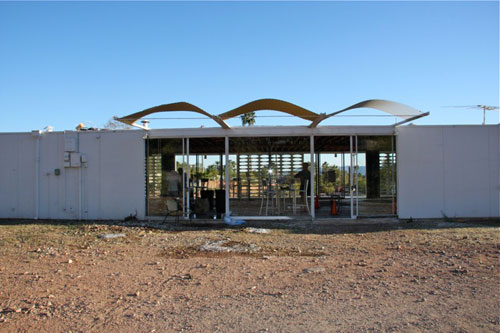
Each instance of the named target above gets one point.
<point>403,170</point>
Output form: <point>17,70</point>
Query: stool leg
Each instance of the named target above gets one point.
<point>261,205</point>
<point>267,202</point>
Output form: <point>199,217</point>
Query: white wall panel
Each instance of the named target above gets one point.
<point>9,175</point>
<point>494,169</point>
<point>419,162</point>
<point>448,171</point>
<point>90,146</point>
<point>17,175</point>
<point>110,185</point>
<point>50,184</point>
<point>26,176</point>
<point>122,185</point>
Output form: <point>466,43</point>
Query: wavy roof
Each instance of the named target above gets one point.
<point>180,106</point>
<point>270,104</point>
<point>402,111</point>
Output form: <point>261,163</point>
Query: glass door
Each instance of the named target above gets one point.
<point>332,176</point>
<point>373,175</point>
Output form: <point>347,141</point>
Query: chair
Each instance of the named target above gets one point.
<point>268,194</point>
<point>173,209</point>
<point>303,198</point>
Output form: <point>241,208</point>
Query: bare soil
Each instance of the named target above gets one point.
<point>432,276</point>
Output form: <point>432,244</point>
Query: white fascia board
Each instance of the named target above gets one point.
<point>271,131</point>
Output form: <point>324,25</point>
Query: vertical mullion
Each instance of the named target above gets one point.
<point>357,179</point>
<point>226,143</point>
<point>189,176</point>
<point>184,211</point>
<point>311,151</point>
<point>351,177</point>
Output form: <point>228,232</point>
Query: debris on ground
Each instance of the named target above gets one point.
<point>228,246</point>
<point>257,230</point>
<point>109,236</point>
<point>314,270</point>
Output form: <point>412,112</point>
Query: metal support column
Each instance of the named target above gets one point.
<point>311,147</point>
<point>226,142</point>
<point>188,196</point>
<point>185,213</point>
<point>351,177</point>
<point>357,178</point>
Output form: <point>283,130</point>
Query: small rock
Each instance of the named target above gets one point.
<point>109,236</point>
<point>314,270</point>
<point>70,261</point>
<point>257,230</point>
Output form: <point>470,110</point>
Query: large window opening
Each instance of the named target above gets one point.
<point>185,177</point>
<point>270,177</point>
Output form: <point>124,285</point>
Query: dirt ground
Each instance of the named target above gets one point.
<point>411,277</point>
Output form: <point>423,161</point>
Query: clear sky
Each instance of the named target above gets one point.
<point>62,63</point>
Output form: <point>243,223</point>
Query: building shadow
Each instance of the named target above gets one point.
<point>330,226</point>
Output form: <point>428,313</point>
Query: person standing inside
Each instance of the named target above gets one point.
<point>171,182</point>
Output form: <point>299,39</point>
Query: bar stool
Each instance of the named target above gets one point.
<point>268,194</point>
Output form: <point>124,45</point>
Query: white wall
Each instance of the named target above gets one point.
<point>17,175</point>
<point>111,185</point>
<point>441,169</point>
<point>448,170</point>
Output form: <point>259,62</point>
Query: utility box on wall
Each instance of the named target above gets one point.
<point>75,160</point>
<point>72,160</point>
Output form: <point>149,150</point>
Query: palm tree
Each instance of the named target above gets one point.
<point>248,119</point>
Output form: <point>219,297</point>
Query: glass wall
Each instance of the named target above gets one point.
<point>333,181</point>
<point>271,176</point>
<point>161,157</point>
<point>376,176</point>
<point>185,175</point>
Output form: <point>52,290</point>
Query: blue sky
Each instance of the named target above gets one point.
<point>62,63</point>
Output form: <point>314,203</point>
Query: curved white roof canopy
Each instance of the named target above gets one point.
<point>270,104</point>
<point>402,111</point>
<point>397,109</point>
<point>180,106</point>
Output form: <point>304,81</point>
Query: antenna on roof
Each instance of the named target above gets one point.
<point>478,106</point>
